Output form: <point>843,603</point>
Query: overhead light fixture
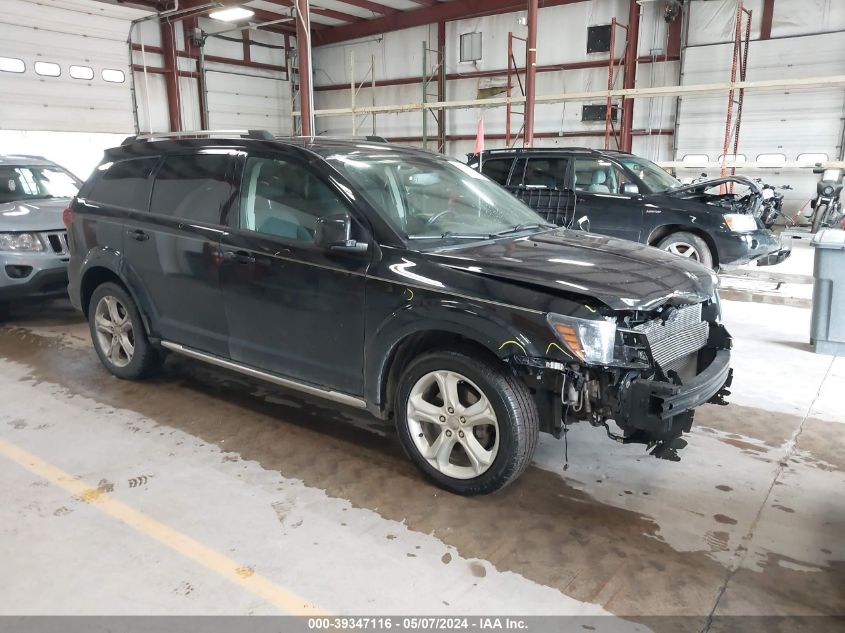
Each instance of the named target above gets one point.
<point>231,14</point>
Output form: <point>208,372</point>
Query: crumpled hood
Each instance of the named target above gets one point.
<point>621,274</point>
<point>33,215</point>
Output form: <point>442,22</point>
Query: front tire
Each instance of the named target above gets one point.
<point>688,246</point>
<point>118,333</point>
<point>818,218</point>
<point>467,423</point>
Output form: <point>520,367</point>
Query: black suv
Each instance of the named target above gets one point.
<point>397,281</point>
<point>715,222</point>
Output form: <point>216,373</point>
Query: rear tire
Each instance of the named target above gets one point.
<point>118,333</point>
<point>477,439</point>
<point>688,246</point>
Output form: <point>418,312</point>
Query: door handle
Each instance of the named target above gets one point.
<point>241,257</point>
<point>138,235</point>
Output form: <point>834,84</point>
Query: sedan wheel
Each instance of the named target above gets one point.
<point>453,424</point>
<point>115,334</point>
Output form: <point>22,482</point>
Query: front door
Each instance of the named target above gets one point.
<point>599,202</point>
<point>172,250</point>
<point>293,308</point>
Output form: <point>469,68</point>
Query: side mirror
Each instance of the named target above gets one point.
<point>334,233</point>
<point>630,189</point>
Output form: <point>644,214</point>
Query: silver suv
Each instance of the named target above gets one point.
<point>33,241</point>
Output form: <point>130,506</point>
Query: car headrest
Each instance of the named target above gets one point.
<point>599,177</point>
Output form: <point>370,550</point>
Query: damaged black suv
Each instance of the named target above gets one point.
<point>715,222</point>
<point>397,281</point>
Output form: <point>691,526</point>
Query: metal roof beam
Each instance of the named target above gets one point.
<point>430,14</point>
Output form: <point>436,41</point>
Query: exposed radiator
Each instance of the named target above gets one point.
<point>676,338</point>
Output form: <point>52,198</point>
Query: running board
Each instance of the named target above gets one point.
<point>334,396</point>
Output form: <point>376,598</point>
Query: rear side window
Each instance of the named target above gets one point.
<point>192,187</point>
<point>497,169</point>
<point>546,173</point>
<point>124,184</point>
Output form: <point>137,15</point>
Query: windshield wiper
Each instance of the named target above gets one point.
<point>524,227</point>
<point>452,235</point>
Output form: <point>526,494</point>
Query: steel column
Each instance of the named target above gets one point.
<point>629,79</point>
<point>168,43</point>
<point>441,85</point>
<point>303,48</point>
<point>766,24</point>
<point>530,72</point>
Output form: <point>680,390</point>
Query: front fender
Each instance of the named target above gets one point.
<point>505,331</point>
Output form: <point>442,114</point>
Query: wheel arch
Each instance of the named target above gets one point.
<point>98,274</point>
<point>665,230</point>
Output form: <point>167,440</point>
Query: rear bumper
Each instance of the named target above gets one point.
<point>651,405</point>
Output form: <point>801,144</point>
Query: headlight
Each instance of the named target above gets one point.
<point>588,340</point>
<point>740,222</point>
<point>20,242</point>
<point>827,191</point>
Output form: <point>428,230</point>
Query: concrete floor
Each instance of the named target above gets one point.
<point>203,492</point>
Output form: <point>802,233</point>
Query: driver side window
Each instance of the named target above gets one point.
<point>283,198</point>
<point>597,175</point>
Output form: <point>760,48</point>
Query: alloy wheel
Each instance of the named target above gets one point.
<point>453,425</point>
<point>684,249</point>
<point>115,334</point>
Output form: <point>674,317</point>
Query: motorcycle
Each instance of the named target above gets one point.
<point>827,205</point>
<point>771,207</point>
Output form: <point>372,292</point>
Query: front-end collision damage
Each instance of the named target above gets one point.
<point>665,363</point>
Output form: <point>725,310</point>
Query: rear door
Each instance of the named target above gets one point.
<point>172,251</point>
<point>599,199</point>
<point>542,182</point>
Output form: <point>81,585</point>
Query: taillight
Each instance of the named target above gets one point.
<point>67,217</point>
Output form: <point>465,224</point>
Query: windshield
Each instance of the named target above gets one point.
<point>655,178</point>
<point>32,181</point>
<point>436,199</point>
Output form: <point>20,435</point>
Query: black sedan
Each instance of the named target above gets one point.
<point>615,193</point>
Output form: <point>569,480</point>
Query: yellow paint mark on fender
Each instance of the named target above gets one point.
<point>409,294</point>
<point>517,343</point>
<point>182,544</point>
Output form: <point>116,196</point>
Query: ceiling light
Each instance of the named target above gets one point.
<point>231,14</point>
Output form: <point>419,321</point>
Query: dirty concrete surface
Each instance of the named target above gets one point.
<point>319,501</point>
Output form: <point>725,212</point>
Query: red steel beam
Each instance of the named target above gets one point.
<point>441,85</point>
<point>171,77</point>
<point>629,80</point>
<point>673,43</point>
<point>766,24</point>
<point>329,13</point>
<point>375,7</point>
<point>531,72</point>
<point>436,12</point>
<point>303,48</point>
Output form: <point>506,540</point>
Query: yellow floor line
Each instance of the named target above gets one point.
<point>175,540</point>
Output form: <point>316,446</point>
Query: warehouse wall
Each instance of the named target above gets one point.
<point>43,114</point>
<point>399,55</point>
<point>73,120</point>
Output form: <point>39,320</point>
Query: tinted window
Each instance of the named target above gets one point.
<point>497,169</point>
<point>597,175</point>
<point>30,182</point>
<point>124,184</point>
<point>284,199</point>
<point>192,187</point>
<point>546,173</point>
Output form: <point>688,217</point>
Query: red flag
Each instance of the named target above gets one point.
<point>479,137</point>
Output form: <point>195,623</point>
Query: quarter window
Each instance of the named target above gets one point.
<point>284,199</point>
<point>81,72</point>
<point>124,184</point>
<point>497,169</point>
<point>192,187</point>
<point>12,65</point>
<point>47,69</point>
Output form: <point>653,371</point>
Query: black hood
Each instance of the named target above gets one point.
<point>623,275</point>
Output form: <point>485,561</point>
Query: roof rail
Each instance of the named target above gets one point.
<point>261,135</point>
<point>33,156</point>
<point>339,137</point>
